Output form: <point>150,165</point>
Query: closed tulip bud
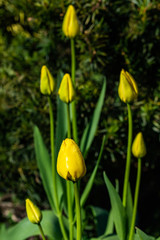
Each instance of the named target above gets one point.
<point>70,162</point>
<point>33,212</point>
<point>66,90</point>
<point>47,83</point>
<point>138,146</point>
<point>127,90</point>
<point>70,24</point>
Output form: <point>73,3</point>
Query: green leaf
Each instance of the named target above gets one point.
<point>101,216</point>
<point>90,130</point>
<point>25,229</point>
<point>61,132</point>
<point>129,207</point>
<point>105,237</point>
<point>110,224</point>
<point>61,121</point>
<point>117,209</point>
<point>89,185</point>
<point>44,165</point>
<point>143,236</point>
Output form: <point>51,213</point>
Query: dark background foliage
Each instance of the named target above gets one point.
<point>113,35</point>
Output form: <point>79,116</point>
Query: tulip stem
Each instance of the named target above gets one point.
<point>68,184</point>
<point>54,170</point>
<point>128,162</point>
<point>53,153</point>
<point>42,232</point>
<point>135,200</point>
<point>73,68</point>
<point>68,121</point>
<point>78,212</point>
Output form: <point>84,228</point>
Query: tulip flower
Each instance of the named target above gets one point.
<point>70,24</point>
<point>66,90</point>
<point>33,212</point>
<point>127,90</point>
<point>70,162</point>
<point>47,82</point>
<point>138,146</point>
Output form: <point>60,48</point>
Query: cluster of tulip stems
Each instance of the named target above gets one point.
<point>70,163</point>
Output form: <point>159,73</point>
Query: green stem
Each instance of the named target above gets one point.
<point>128,162</point>
<point>53,153</point>
<point>78,212</point>
<point>135,200</point>
<point>42,232</point>
<point>68,184</point>
<point>73,68</point>
<point>54,169</point>
<point>68,121</point>
<point>73,61</point>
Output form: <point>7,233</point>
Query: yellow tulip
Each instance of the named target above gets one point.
<point>70,162</point>
<point>138,146</point>
<point>70,24</point>
<point>127,90</point>
<point>47,82</point>
<point>66,90</point>
<point>33,212</point>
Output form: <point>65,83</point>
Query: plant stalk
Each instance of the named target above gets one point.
<point>68,184</point>
<point>128,162</point>
<point>42,232</point>
<point>131,234</point>
<point>73,68</point>
<point>54,170</point>
<point>78,212</point>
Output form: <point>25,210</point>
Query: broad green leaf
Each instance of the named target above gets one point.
<point>106,237</point>
<point>143,236</point>
<point>61,121</point>
<point>44,165</point>
<point>89,185</point>
<point>129,207</point>
<point>90,130</point>
<point>101,216</point>
<point>110,224</point>
<point>117,209</point>
<point>25,229</point>
<point>61,133</point>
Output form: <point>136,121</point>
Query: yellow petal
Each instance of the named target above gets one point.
<point>127,90</point>
<point>138,146</point>
<point>33,212</point>
<point>70,162</point>
<point>47,83</point>
<point>70,24</point>
<point>66,90</point>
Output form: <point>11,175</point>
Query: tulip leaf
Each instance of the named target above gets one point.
<point>100,216</point>
<point>106,237</point>
<point>110,224</point>
<point>143,236</point>
<point>90,130</point>
<point>44,165</point>
<point>89,185</point>
<point>129,207</point>
<point>117,209</point>
<point>61,121</point>
<point>25,229</point>
<point>61,132</point>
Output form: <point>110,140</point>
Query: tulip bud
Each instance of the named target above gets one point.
<point>138,146</point>
<point>66,90</point>
<point>47,83</point>
<point>127,90</point>
<point>33,212</point>
<point>70,24</point>
<point>70,162</point>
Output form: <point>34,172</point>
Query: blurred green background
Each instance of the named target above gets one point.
<point>113,35</point>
